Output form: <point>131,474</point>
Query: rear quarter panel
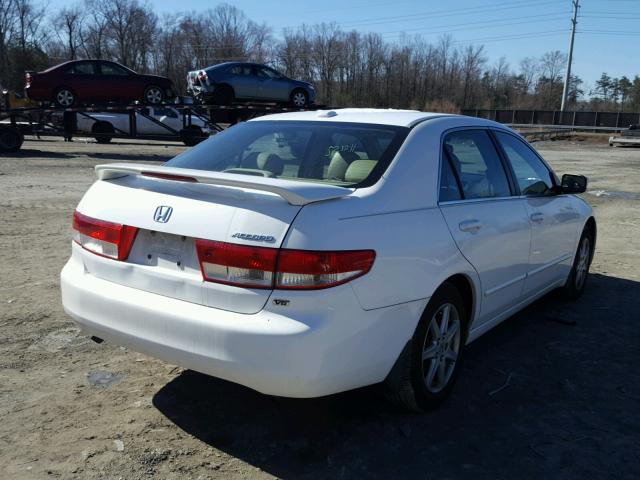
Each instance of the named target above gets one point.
<point>414,249</point>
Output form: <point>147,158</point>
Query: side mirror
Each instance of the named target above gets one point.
<point>573,183</point>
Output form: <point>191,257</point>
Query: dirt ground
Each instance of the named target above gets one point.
<point>554,392</point>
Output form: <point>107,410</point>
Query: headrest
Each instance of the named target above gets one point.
<point>359,170</point>
<point>340,161</point>
<point>270,162</point>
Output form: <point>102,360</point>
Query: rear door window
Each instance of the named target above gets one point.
<point>243,70</point>
<point>82,68</point>
<point>475,161</point>
<point>532,175</point>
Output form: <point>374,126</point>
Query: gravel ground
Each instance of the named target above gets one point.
<point>554,392</point>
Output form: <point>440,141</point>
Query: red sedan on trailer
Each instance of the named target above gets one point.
<point>82,81</point>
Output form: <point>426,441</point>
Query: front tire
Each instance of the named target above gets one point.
<point>433,362</point>
<point>299,98</point>
<point>577,280</point>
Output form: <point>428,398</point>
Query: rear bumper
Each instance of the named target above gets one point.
<point>331,345</point>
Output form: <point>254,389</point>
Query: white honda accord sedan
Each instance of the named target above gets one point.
<point>304,254</point>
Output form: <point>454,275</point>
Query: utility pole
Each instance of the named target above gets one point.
<point>574,22</point>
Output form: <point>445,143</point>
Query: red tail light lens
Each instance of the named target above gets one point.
<point>260,267</point>
<point>301,269</point>
<point>202,76</point>
<point>232,264</point>
<point>107,239</point>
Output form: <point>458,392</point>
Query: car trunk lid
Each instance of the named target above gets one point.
<point>173,207</point>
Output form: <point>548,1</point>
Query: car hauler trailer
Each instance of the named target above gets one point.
<point>15,123</point>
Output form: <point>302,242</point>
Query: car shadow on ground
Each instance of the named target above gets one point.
<point>551,392</point>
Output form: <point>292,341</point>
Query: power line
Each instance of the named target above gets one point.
<point>419,16</point>
<point>448,30</point>
<point>516,36</point>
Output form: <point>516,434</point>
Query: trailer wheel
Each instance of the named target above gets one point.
<point>103,128</point>
<point>10,139</point>
<point>192,135</point>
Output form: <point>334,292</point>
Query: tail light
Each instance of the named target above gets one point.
<point>202,77</point>
<point>27,79</point>
<point>260,267</point>
<point>107,239</point>
<point>237,264</point>
<point>301,269</point>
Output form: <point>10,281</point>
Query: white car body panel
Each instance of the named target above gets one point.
<point>317,342</point>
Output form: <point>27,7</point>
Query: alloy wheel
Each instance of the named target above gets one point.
<point>299,99</point>
<point>441,347</point>
<point>65,98</point>
<point>153,95</point>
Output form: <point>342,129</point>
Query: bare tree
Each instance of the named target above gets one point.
<point>69,24</point>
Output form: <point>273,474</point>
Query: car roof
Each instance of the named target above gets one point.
<point>379,116</point>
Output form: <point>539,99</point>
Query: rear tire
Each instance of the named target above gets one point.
<point>223,95</point>
<point>192,135</point>
<point>577,280</point>
<point>64,97</point>
<point>10,139</point>
<point>103,127</point>
<point>431,364</point>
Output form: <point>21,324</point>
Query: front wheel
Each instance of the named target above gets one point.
<point>153,95</point>
<point>299,98</point>
<point>580,270</point>
<point>433,360</point>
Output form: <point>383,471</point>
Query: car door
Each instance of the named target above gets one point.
<point>487,221</point>
<point>243,80</point>
<point>82,78</point>
<point>553,218</point>
<point>117,84</point>
<point>271,84</point>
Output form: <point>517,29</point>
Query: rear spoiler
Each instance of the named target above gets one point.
<point>294,192</point>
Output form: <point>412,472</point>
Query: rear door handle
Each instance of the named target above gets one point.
<point>537,217</point>
<point>471,226</point>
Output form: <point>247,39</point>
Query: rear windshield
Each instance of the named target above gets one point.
<point>337,153</point>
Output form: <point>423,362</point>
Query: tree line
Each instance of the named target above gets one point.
<point>348,68</point>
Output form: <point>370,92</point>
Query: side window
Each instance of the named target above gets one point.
<point>533,177</point>
<point>240,70</point>
<point>448,184</point>
<point>112,69</point>
<point>83,68</point>
<point>477,164</point>
<point>267,72</point>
